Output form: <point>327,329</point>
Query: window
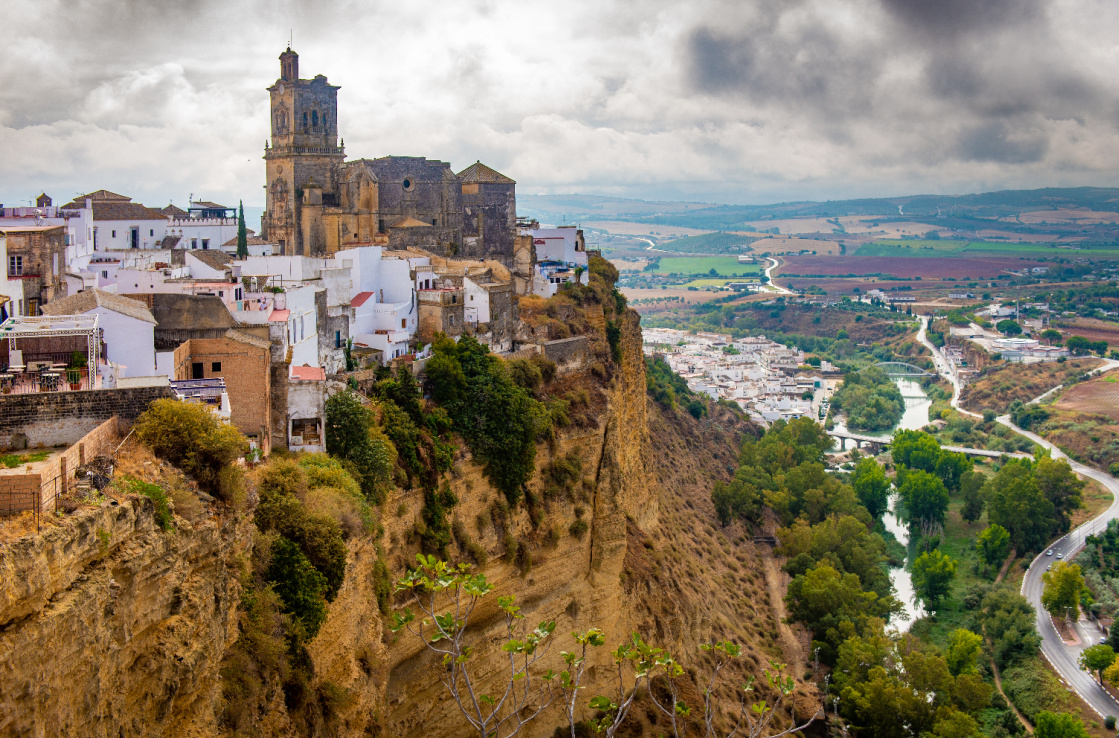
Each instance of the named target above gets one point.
<point>104,274</point>
<point>151,232</point>
<point>403,322</point>
<point>15,266</point>
<point>407,184</point>
<point>454,299</point>
<point>381,225</point>
<point>215,366</point>
<point>205,244</point>
<point>337,339</point>
<point>314,119</point>
<point>196,370</point>
<point>114,234</point>
<point>54,262</point>
<point>452,320</point>
<point>194,243</point>
<point>435,221</point>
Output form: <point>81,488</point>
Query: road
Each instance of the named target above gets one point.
<point>769,273</point>
<point>1062,657</point>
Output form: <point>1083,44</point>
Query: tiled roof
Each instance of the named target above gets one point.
<point>191,312</point>
<point>123,210</point>
<point>83,302</point>
<point>98,196</point>
<point>410,222</point>
<point>480,173</point>
<point>212,258</point>
<point>241,336</point>
<point>205,204</point>
<point>171,211</point>
<point>308,373</point>
<point>252,240</point>
<point>169,242</point>
<point>360,299</point>
<point>279,316</point>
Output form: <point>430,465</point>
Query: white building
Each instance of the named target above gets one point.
<point>126,324</point>
<point>561,255</point>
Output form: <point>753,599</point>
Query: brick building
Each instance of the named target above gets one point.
<point>37,258</point>
<point>244,362</point>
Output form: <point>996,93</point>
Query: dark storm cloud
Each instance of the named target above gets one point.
<point>944,20</point>
<point>998,142</point>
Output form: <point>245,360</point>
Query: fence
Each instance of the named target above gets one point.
<point>38,489</point>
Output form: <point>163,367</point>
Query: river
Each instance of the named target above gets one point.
<point>916,416</point>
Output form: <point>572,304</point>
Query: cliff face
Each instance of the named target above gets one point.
<point>140,626</point>
<point>110,626</point>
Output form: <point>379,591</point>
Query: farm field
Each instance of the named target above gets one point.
<point>904,266</point>
<point>724,265</point>
<point>852,224</point>
<point>1097,397</point>
<point>954,249</point>
<point>622,228</point>
<point>1093,330</point>
<point>717,242</point>
<point>783,245</point>
<point>1065,215</point>
<point>685,296</point>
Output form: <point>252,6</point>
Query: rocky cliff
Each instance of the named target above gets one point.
<point>141,618</point>
<point>112,627</point>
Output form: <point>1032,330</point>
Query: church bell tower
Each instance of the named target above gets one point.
<point>302,159</point>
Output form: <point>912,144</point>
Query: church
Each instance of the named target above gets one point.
<point>319,203</point>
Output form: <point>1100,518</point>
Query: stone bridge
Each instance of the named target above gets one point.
<point>901,369</point>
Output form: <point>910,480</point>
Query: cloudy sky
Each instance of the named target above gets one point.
<point>737,101</point>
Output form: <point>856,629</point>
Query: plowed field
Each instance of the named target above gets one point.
<point>1098,397</point>
<point>902,266</point>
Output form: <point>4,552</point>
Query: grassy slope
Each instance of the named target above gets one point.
<point>1003,385</point>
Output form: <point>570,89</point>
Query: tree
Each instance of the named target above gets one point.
<point>1058,725</point>
<point>518,700</point>
<point>964,648</point>
<point>971,489</point>
<point>933,572</point>
<point>1008,619</point>
<point>1113,636</point>
<point>1061,486</point>
<point>994,545</point>
<point>1051,336</point>
<point>1061,592</point>
<point>300,586</point>
<point>950,467</point>
<point>1008,327</point>
<point>193,438</point>
<point>926,498</point>
<point>242,233</point>
<point>871,486</point>
<point>350,435</point>
<point>915,450</point>
<point>1095,659</point>
<point>1015,502</point>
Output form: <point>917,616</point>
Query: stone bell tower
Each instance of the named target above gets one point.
<point>302,159</point>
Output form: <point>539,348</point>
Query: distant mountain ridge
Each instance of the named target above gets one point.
<point>962,210</point>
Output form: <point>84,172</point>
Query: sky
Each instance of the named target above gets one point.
<point>732,101</point>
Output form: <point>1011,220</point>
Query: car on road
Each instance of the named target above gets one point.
<point>1103,640</point>
<point>1060,556</point>
<point>1049,552</point>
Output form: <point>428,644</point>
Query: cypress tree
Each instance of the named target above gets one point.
<point>242,234</point>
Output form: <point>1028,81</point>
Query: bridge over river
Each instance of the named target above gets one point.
<point>876,443</point>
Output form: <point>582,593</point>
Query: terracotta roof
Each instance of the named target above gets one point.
<point>171,211</point>
<point>279,316</point>
<point>99,196</point>
<point>252,240</point>
<point>360,299</point>
<point>308,373</point>
<point>410,222</point>
<point>480,173</point>
<point>242,337</point>
<point>169,242</point>
<point>212,258</point>
<point>83,302</point>
<point>124,210</point>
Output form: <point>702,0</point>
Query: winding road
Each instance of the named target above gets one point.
<point>1062,657</point>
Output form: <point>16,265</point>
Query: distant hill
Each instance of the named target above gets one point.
<point>957,211</point>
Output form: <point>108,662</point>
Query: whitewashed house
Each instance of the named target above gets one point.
<point>126,324</point>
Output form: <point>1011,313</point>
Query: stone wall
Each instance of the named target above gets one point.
<point>44,482</point>
<point>568,353</point>
<point>62,418</point>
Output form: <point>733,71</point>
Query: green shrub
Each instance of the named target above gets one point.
<point>193,438</point>
<point>352,435</point>
<point>578,529</point>
<point>163,516</point>
<point>301,588</point>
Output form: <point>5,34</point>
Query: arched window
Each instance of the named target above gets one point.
<point>304,121</point>
<point>314,119</point>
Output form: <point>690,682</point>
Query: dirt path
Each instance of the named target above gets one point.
<point>998,686</point>
<point>1006,565</point>
<point>774,580</point>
